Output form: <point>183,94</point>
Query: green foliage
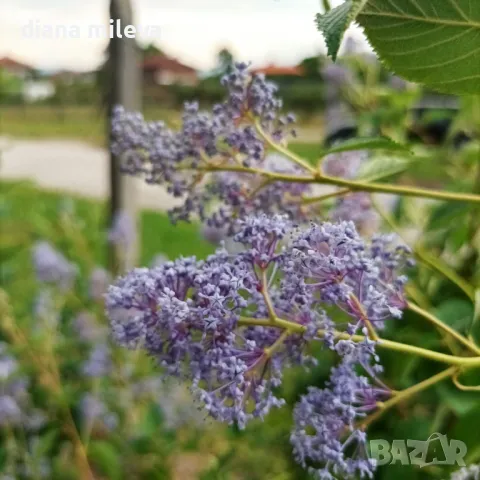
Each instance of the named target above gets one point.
<point>334,23</point>
<point>376,143</point>
<point>10,87</point>
<point>435,42</point>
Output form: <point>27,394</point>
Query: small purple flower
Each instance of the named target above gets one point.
<point>214,235</point>
<point>188,315</point>
<point>87,328</point>
<point>344,164</point>
<point>123,231</point>
<point>52,267</point>
<point>99,281</point>
<point>324,420</point>
<point>357,207</point>
<point>95,411</point>
<point>226,135</point>
<point>98,363</point>
<point>10,411</point>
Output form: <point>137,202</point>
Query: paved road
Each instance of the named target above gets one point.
<point>69,166</point>
<point>75,167</point>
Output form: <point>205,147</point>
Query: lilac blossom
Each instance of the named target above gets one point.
<point>344,164</point>
<point>98,283</point>
<point>98,363</point>
<point>333,261</point>
<point>122,232</point>
<point>14,397</point>
<point>52,267</point>
<point>96,412</point>
<point>10,411</point>
<point>325,419</point>
<point>87,328</point>
<point>358,208</point>
<point>186,314</point>
<point>225,136</point>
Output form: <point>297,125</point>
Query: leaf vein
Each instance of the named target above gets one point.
<point>419,34</point>
<point>443,64</point>
<point>417,6</point>
<point>459,10</point>
<point>432,45</point>
<point>441,21</point>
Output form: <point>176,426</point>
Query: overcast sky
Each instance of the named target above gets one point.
<point>279,31</point>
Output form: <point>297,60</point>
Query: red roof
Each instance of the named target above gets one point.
<point>7,62</point>
<point>272,70</point>
<point>162,62</point>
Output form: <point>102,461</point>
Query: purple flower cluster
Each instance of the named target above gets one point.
<point>122,232</point>
<point>190,315</point>
<point>357,207</point>
<point>344,164</point>
<point>184,160</point>
<point>96,413</point>
<point>52,267</point>
<point>331,262</point>
<point>98,283</point>
<point>325,429</point>
<point>15,407</point>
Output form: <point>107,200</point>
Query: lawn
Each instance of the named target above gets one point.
<point>72,122</point>
<point>28,211</point>
<point>86,123</point>
<point>76,226</point>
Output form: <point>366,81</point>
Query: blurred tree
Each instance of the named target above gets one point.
<point>151,50</point>
<point>312,67</point>
<point>10,87</point>
<point>225,60</point>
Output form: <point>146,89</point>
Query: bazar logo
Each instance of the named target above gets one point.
<point>436,450</point>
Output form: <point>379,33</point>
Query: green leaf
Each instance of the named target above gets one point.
<point>382,166</point>
<point>366,143</point>
<point>461,403</point>
<point>445,213</point>
<point>476,313</point>
<point>456,313</point>
<point>435,42</point>
<point>106,458</point>
<point>335,22</point>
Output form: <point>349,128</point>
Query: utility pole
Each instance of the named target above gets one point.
<point>124,88</point>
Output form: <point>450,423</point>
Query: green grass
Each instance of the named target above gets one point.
<point>29,213</point>
<point>84,123</point>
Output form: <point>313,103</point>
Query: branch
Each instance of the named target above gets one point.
<point>441,325</point>
<point>465,362</point>
<point>407,393</point>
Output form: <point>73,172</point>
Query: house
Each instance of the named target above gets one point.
<point>272,70</point>
<point>16,69</point>
<point>163,70</point>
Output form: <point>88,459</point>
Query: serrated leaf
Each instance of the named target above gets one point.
<point>435,42</point>
<point>366,143</point>
<point>335,22</point>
